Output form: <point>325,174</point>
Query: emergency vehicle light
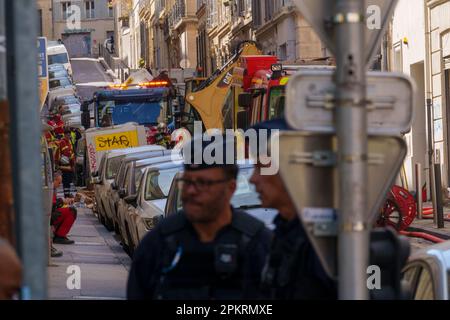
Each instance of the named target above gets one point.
<point>154,84</point>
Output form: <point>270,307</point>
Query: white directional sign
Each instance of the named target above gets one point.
<point>307,163</point>
<point>390,102</point>
<point>322,16</point>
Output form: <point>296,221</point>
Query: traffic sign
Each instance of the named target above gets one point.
<point>390,102</point>
<point>321,16</point>
<point>43,76</point>
<point>308,167</point>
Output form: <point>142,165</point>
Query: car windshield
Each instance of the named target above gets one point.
<point>141,112</point>
<point>57,74</point>
<point>62,82</point>
<point>158,183</point>
<point>58,58</point>
<point>113,167</point>
<point>277,102</point>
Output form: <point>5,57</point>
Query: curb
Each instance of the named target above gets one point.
<point>108,70</point>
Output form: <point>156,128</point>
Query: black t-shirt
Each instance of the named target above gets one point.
<point>193,272</point>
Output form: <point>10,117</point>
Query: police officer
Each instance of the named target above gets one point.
<point>293,269</point>
<point>209,250</point>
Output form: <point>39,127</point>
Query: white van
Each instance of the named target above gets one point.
<point>58,55</point>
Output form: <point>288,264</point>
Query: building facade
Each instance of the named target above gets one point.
<point>83,25</point>
<point>437,45</point>
<point>45,18</point>
<point>282,31</point>
<point>408,55</point>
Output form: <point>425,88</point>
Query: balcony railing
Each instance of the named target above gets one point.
<point>275,7</point>
<point>177,13</point>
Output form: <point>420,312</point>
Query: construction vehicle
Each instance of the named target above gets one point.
<point>213,101</point>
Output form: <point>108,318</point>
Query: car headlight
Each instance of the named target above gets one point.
<point>149,223</point>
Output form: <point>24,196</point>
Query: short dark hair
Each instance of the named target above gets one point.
<point>231,171</point>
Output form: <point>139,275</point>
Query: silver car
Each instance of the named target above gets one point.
<point>119,183</point>
<point>148,204</point>
<point>107,174</point>
<point>427,273</point>
<point>134,172</point>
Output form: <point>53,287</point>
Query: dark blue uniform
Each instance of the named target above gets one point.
<point>293,270</point>
<point>172,263</point>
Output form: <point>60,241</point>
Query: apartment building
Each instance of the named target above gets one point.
<point>83,24</point>
<point>45,18</point>
<point>281,30</point>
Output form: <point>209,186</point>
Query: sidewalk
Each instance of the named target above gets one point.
<point>428,225</point>
<point>103,263</point>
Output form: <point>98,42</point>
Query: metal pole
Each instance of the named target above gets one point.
<point>419,191</point>
<point>431,155</point>
<point>351,124</point>
<point>439,209</point>
<point>31,229</point>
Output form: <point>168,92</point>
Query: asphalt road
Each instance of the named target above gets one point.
<point>89,76</point>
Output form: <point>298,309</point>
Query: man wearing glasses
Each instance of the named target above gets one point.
<point>209,250</point>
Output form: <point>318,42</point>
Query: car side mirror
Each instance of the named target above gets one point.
<point>131,200</point>
<point>245,100</point>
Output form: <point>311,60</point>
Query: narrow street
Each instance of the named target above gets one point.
<point>102,261</point>
<point>89,75</point>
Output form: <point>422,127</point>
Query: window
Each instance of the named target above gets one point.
<point>283,52</point>
<point>90,10</point>
<point>40,22</point>
<point>110,9</point>
<point>398,59</point>
<point>159,183</point>
<point>65,9</point>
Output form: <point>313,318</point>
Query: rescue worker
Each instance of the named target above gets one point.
<point>293,269</point>
<point>63,215</point>
<point>209,250</point>
<point>67,162</point>
<point>10,272</point>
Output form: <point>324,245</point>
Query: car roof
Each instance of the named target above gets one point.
<point>56,66</point>
<point>165,158</point>
<point>166,166</point>
<point>440,251</point>
<point>146,154</point>
<point>135,150</point>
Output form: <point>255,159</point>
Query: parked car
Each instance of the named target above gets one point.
<point>134,171</point>
<point>145,202</point>
<point>245,197</point>
<point>427,273</point>
<point>105,176</point>
<point>118,184</point>
<point>58,83</point>
<point>55,94</point>
<point>58,73</point>
<point>57,54</point>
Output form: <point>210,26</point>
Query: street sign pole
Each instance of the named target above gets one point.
<point>351,126</point>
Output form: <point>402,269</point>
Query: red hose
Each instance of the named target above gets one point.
<point>422,235</point>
